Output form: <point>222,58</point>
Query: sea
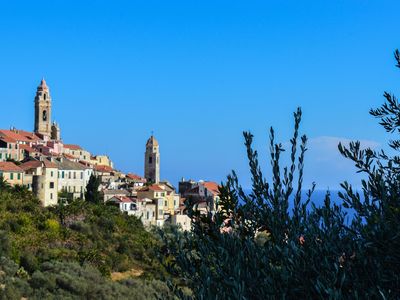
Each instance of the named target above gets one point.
<point>318,197</point>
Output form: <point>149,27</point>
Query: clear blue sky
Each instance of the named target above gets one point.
<point>198,73</point>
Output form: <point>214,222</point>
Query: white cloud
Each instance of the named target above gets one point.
<point>325,148</point>
<point>326,166</point>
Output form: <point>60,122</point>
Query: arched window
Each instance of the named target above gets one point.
<point>45,115</point>
<point>44,96</point>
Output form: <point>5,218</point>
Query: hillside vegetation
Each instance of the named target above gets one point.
<point>74,251</point>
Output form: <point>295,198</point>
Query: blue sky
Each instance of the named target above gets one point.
<point>198,73</point>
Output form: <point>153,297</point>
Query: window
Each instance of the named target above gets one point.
<point>51,195</point>
<point>166,203</point>
<point>10,146</point>
<point>19,176</point>
<point>52,185</point>
<point>62,174</point>
<point>44,96</point>
<point>160,212</point>
<point>150,160</point>
<point>74,175</point>
<point>81,175</point>
<point>44,115</point>
<point>162,194</point>
<point>148,215</point>
<point>69,175</point>
<point>51,174</point>
<point>1,155</point>
<point>11,176</point>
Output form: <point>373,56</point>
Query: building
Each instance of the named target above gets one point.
<point>143,209</point>
<point>124,203</point>
<point>77,152</point>
<point>181,220</point>
<point>102,160</point>
<point>73,177</point>
<point>108,194</point>
<point>11,173</point>
<point>43,110</point>
<point>201,191</point>
<point>9,149</point>
<point>152,161</point>
<point>42,177</point>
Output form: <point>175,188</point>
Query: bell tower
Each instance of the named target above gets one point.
<point>43,110</point>
<point>152,161</point>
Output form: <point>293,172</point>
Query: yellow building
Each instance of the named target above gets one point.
<point>11,173</point>
<point>167,202</point>
<point>101,160</point>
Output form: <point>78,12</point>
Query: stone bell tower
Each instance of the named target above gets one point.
<point>43,110</point>
<point>152,161</point>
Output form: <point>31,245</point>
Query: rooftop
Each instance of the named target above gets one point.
<point>8,166</point>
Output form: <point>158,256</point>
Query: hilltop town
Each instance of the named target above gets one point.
<point>56,171</point>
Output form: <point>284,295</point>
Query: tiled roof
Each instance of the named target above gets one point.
<point>20,135</point>
<point>31,164</point>
<point>66,164</point>
<point>27,148</point>
<point>103,168</point>
<point>115,192</point>
<point>124,199</point>
<point>8,166</point>
<point>7,139</point>
<point>135,177</point>
<point>156,187</point>
<point>72,147</point>
<point>212,187</point>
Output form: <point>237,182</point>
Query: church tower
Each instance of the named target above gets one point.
<point>152,161</point>
<point>43,110</point>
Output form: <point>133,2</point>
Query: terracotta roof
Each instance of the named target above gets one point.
<point>33,164</point>
<point>19,135</point>
<point>72,147</point>
<point>102,168</point>
<point>27,148</point>
<point>135,177</point>
<point>212,187</point>
<point>156,187</point>
<point>8,166</point>
<point>124,199</point>
<point>7,139</point>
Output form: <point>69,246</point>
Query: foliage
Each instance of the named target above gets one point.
<point>71,251</point>
<point>92,193</point>
<point>272,243</point>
